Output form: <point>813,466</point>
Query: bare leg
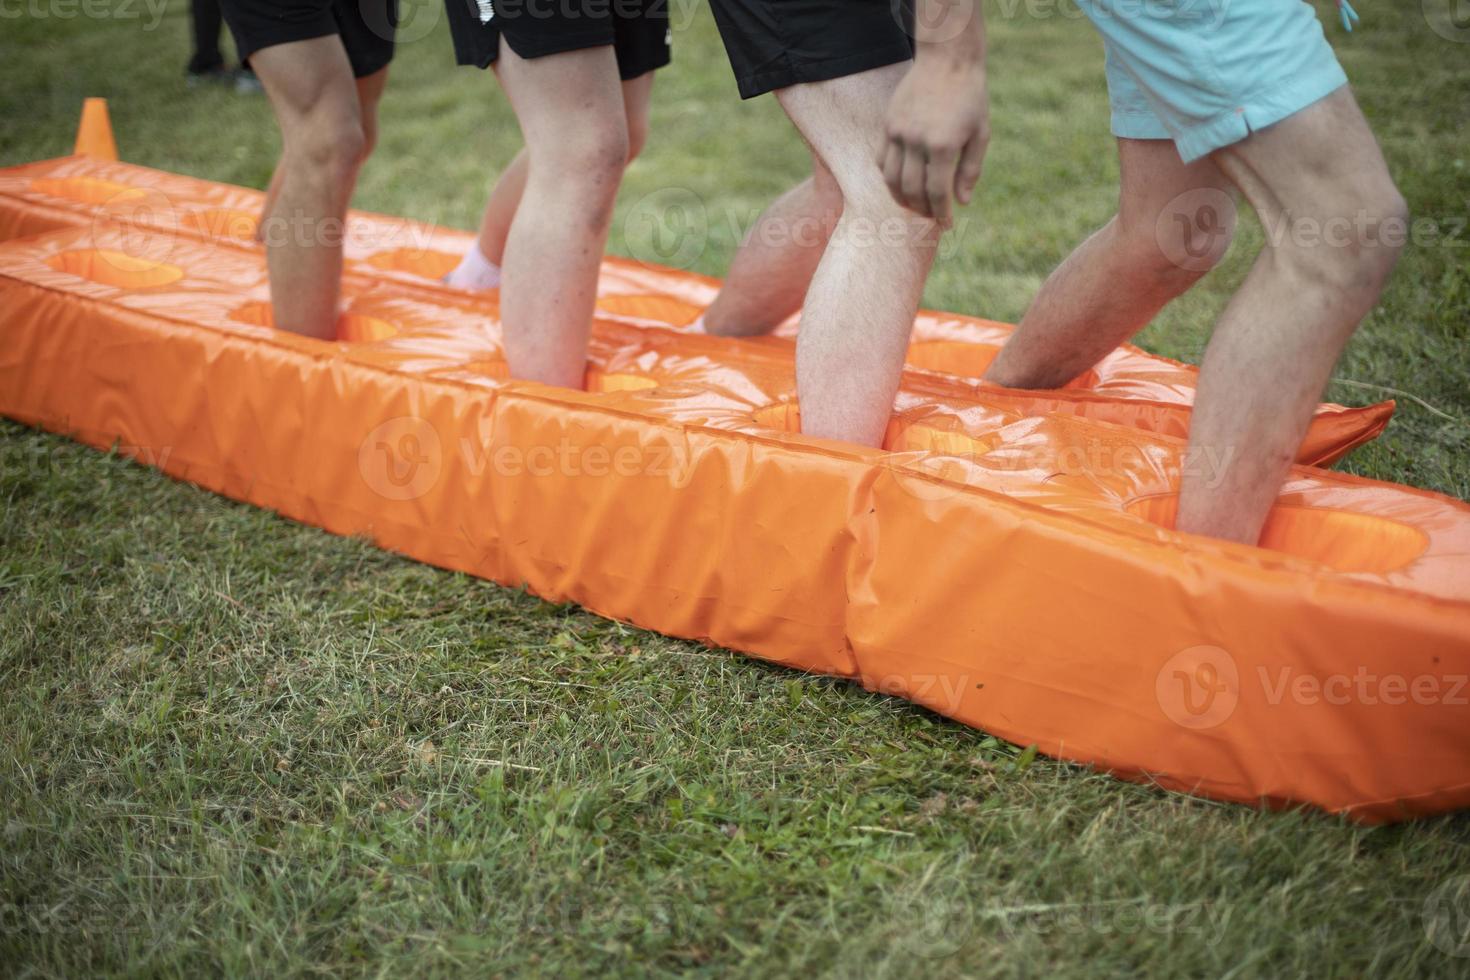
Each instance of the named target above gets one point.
<point>1323,192</point>
<point>1174,223</point>
<point>311,90</point>
<point>860,308</point>
<point>500,208</point>
<point>369,94</point>
<point>483,271</point>
<point>272,191</point>
<point>773,269</point>
<point>571,112</point>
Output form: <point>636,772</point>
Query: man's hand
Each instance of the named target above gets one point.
<point>938,128</point>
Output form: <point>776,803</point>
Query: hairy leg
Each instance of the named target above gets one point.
<point>1334,224</point>
<point>859,311</point>
<point>571,112</point>
<point>310,87</point>
<point>1174,223</point>
<point>774,267</point>
<point>505,196</point>
<point>369,94</point>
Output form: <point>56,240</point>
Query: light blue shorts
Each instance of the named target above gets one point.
<point>1205,73</point>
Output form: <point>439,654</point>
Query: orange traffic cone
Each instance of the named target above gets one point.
<point>94,134</point>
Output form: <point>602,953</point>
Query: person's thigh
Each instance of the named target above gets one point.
<point>1317,176</point>
<point>1183,214</point>
<point>303,79</point>
<point>842,120</point>
<point>563,100</point>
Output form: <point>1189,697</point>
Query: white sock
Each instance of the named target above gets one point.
<point>474,271</point>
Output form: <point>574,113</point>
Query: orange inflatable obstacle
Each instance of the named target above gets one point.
<point>1005,563</point>
<point>1130,387</point>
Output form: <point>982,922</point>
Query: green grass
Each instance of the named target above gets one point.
<point>235,744</point>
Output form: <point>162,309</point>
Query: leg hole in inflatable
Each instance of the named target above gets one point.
<point>88,190</point>
<point>969,360</point>
<point>902,435</point>
<point>352,328</point>
<point>604,383</point>
<point>664,309</point>
<point>223,223</point>
<point>118,269</point>
<point>597,381</point>
<point>415,261</point>
<point>1340,539</point>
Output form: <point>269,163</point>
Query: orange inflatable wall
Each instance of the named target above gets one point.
<point>1005,559</point>
<point>1129,387</point>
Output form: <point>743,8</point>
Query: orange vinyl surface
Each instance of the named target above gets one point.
<point>1129,387</point>
<point>1003,560</point>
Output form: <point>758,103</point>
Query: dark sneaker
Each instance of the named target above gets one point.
<point>218,75</point>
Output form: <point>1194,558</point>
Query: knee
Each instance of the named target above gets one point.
<point>863,204</point>
<point>1375,250</point>
<point>581,172</point>
<point>1353,251</point>
<point>331,145</point>
<point>585,162</point>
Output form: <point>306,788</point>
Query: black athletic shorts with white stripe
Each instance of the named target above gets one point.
<point>638,30</point>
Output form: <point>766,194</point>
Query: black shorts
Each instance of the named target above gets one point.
<point>776,43</point>
<point>638,30</point>
<point>365,26</point>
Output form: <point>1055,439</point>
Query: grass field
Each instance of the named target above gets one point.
<point>234,744</point>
